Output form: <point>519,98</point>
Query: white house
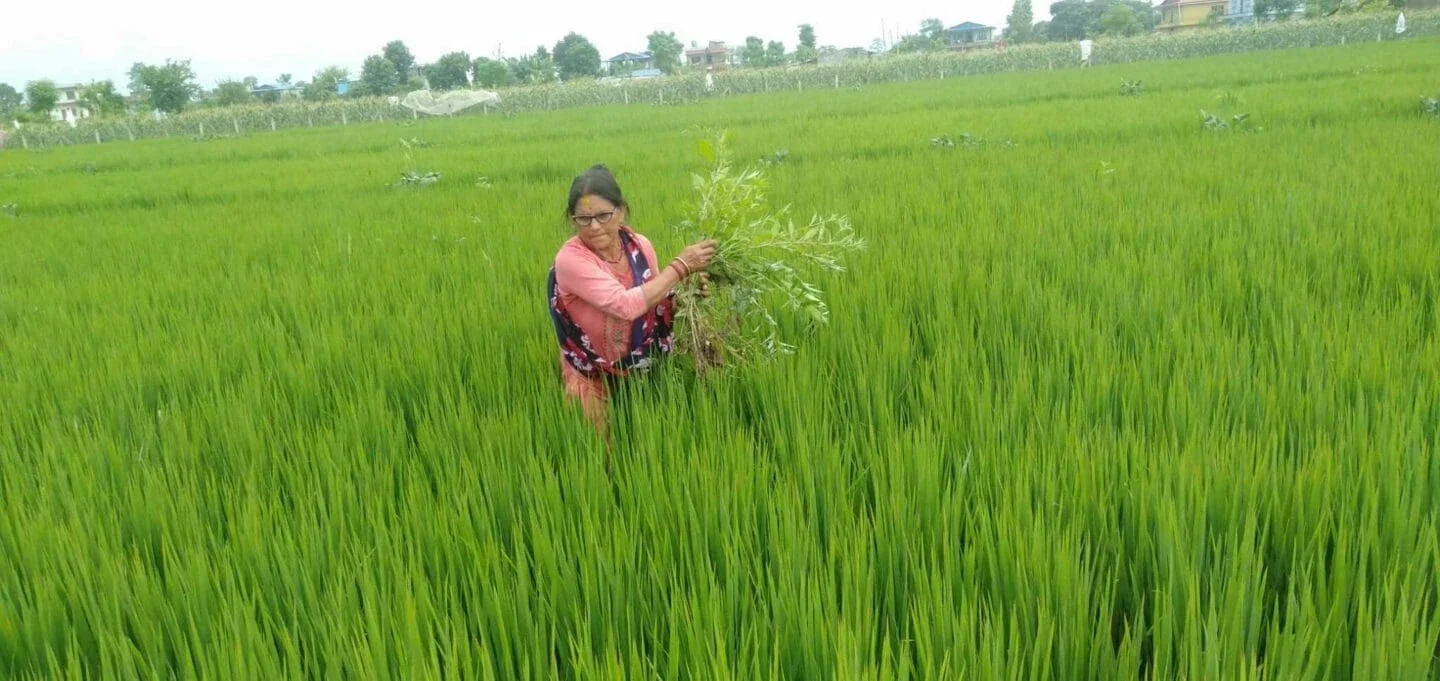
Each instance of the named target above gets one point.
<point>67,108</point>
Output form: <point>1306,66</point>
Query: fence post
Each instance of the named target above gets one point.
<point>236,122</point>
<point>24,143</point>
<point>344,120</point>
<point>627,95</point>
<point>837,81</point>
<point>799,84</point>
<point>202,128</point>
<point>272,124</point>
<point>309,120</point>
<point>130,131</point>
<point>415,113</point>
<point>97,136</point>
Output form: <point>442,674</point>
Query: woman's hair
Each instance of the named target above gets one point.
<point>597,181</point>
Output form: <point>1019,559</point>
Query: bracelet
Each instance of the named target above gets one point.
<point>685,271</point>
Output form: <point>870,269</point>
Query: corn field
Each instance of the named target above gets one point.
<point>1110,394</point>
<point>208,124</point>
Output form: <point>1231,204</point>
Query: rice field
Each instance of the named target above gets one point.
<point>1109,395</point>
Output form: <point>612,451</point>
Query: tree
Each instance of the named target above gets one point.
<point>168,88</point>
<point>491,73</point>
<point>42,95</point>
<point>1040,32</point>
<point>232,93</point>
<point>449,72</point>
<point>576,57</point>
<point>934,31</point>
<point>378,76</point>
<point>325,84</point>
<point>285,79</point>
<point>1278,9</point>
<point>1019,26</point>
<point>1119,20</point>
<point>251,82</point>
<point>805,52</point>
<point>665,49</point>
<point>10,100</point>
<point>399,56</point>
<point>775,53</point>
<point>753,54</point>
<point>102,99</point>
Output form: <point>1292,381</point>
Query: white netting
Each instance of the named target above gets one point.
<point>427,102</point>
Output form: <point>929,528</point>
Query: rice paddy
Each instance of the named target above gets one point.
<point>1109,394</point>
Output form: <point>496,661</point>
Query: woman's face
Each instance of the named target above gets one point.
<point>597,223</point>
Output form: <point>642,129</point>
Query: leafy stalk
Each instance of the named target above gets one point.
<point>762,260</point>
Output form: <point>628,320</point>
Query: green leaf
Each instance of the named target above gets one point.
<point>707,151</point>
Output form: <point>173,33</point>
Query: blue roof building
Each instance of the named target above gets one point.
<point>969,34</point>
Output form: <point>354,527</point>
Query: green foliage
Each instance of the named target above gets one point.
<point>1019,25</point>
<point>666,50</point>
<point>775,53</point>
<point>41,95</point>
<point>805,51</point>
<point>400,57</point>
<point>325,85</point>
<point>1072,20</point>
<point>1120,20</point>
<point>232,93</point>
<point>264,417</point>
<point>576,57</point>
<point>1431,105</point>
<point>378,76</point>
<point>449,72</point>
<point>542,94</point>
<point>761,265</point>
<point>491,73</point>
<point>10,99</point>
<point>753,54</point>
<point>169,87</point>
<point>1132,88</point>
<point>931,38</point>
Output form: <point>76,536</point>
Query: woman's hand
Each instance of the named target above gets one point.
<point>697,256</point>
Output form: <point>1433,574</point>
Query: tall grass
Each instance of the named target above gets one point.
<point>1173,415</point>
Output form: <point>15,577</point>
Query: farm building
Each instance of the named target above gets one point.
<point>715,55</point>
<point>630,61</point>
<point>968,35</point>
<point>1182,14</point>
<point>67,108</point>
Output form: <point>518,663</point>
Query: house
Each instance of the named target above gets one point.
<point>1243,12</point>
<point>1182,14</point>
<point>630,61</point>
<point>714,55</point>
<point>968,35</point>
<point>67,107</point>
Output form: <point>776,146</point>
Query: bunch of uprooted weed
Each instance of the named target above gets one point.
<point>762,260</point>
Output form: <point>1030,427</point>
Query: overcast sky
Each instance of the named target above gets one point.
<point>83,40</point>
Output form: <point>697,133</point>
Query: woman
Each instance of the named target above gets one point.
<point>611,304</point>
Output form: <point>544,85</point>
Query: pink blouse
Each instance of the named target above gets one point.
<point>603,301</point>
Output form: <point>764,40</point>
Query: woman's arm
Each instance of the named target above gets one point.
<point>595,286</point>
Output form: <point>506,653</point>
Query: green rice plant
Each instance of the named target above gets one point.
<point>1178,420</point>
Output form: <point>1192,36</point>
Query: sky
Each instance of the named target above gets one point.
<point>84,40</point>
